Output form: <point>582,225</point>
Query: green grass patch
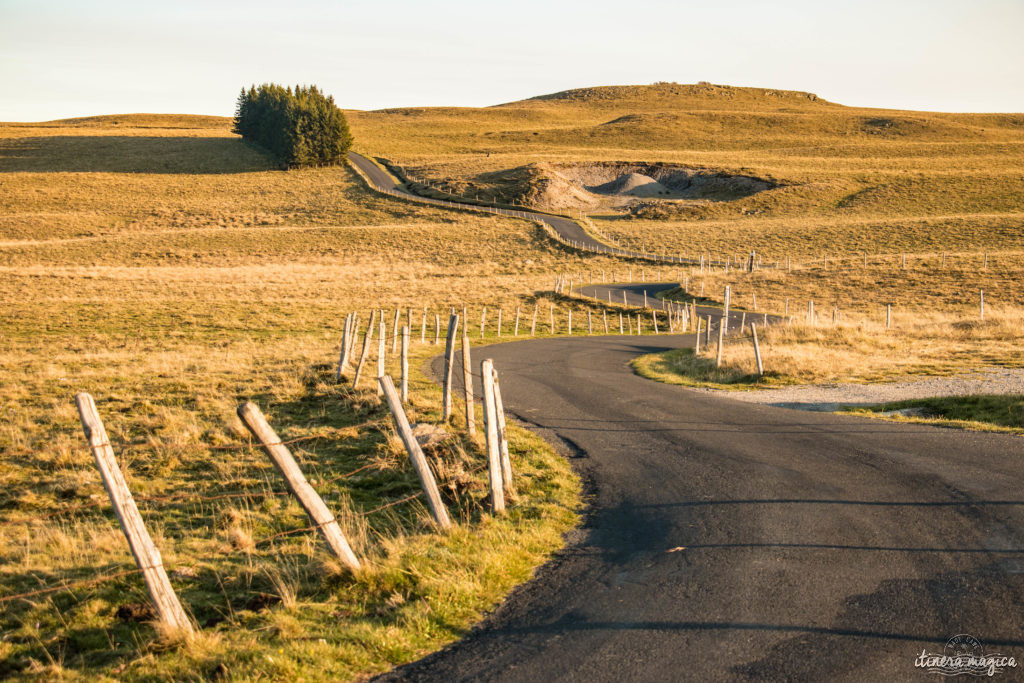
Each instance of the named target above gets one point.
<point>988,413</point>
<point>683,367</point>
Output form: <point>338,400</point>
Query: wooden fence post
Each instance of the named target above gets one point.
<point>449,362</point>
<point>498,331</point>
<point>297,484</point>
<point>725,316</point>
<point>721,343</point>
<point>605,313</point>
<point>696,343</point>
<point>412,447</point>
<point>483,321</point>
<point>570,321</point>
<point>551,312</point>
<point>533,321</point>
<point>394,331</point>
<point>506,462</point>
<point>146,555</point>
<point>654,319</point>
<point>493,448</point>
<point>590,322</point>
<point>343,357</point>
<point>381,351</point>
<point>515,332</point>
<point>405,364</point>
<point>757,350</point>
<point>888,316</point>
<point>367,338</point>
<point>467,383</point>
<point>423,327</point>
<point>621,329</point>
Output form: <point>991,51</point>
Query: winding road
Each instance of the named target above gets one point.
<point>726,540</point>
<point>568,230</point>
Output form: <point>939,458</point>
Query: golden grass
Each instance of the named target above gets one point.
<point>171,271</point>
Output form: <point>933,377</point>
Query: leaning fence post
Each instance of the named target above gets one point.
<point>467,383</point>
<point>757,350</point>
<point>405,364</point>
<point>449,361</point>
<point>364,354</point>
<point>310,500</point>
<point>146,555</point>
<point>343,356</point>
<point>419,462</point>
<point>493,449</point>
<point>506,462</point>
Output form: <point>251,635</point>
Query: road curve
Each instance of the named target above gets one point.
<point>567,230</point>
<point>726,540</point>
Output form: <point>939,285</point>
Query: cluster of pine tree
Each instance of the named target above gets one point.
<point>301,127</point>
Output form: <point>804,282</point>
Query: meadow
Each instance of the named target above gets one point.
<point>173,272</point>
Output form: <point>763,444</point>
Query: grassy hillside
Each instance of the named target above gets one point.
<point>172,271</point>
<point>850,180</point>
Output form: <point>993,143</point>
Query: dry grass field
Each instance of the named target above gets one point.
<point>170,270</point>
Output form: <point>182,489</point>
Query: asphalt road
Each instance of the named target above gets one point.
<point>726,540</point>
<point>567,229</point>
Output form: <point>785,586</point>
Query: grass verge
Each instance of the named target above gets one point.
<point>271,607</point>
<point>987,413</point>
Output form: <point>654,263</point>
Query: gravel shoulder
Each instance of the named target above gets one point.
<point>830,397</point>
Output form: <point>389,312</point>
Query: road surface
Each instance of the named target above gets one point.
<point>725,540</point>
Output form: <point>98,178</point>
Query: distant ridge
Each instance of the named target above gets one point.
<point>696,91</point>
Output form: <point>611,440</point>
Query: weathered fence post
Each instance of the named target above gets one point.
<point>449,361</point>
<point>515,332</point>
<point>364,354</point>
<point>757,350</point>
<point>506,462</point>
<point>590,322</point>
<point>412,447</point>
<point>493,448</point>
<point>405,364</point>
<point>343,357</point>
<point>570,322</point>
<point>654,319</point>
<point>394,331</point>
<point>621,329</point>
<point>533,321</point>
<point>483,321</point>
<point>888,316</point>
<point>605,314</point>
<point>146,555</point>
<point>721,343</point>
<point>297,484</point>
<point>551,322</point>
<point>725,316</point>
<point>696,343</point>
<point>467,383</point>
<point>498,331</point>
<point>381,351</point>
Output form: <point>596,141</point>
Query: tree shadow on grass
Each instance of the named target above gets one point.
<point>131,154</point>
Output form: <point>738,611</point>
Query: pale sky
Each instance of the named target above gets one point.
<point>61,58</point>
